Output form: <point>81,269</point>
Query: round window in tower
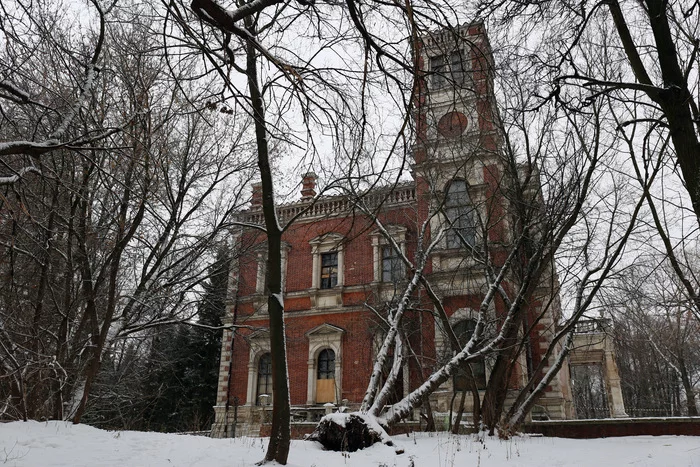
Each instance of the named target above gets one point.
<point>452,124</point>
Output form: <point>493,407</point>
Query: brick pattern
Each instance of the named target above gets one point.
<point>345,307</point>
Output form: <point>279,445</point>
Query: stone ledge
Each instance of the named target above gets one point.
<point>604,428</point>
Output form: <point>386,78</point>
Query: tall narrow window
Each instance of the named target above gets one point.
<point>457,67</point>
<point>264,376</point>
<point>261,279</point>
<point>325,376</point>
<point>329,270</point>
<point>438,68</point>
<point>464,330</point>
<point>326,364</point>
<point>460,215</point>
<point>392,266</point>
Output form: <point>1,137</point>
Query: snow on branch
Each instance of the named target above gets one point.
<point>31,148</point>
<point>9,180</point>
<point>14,93</point>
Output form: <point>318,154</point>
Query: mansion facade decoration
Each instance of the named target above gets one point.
<point>339,270</point>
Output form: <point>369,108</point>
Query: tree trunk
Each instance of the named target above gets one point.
<point>429,419</point>
<point>280,437</point>
<point>497,387</point>
<point>122,237</point>
<point>354,434</point>
<point>460,411</point>
<point>674,97</point>
<point>689,391</point>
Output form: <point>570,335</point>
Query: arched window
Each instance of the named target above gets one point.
<point>326,364</point>
<point>264,376</point>
<point>325,376</point>
<point>460,214</point>
<point>464,330</point>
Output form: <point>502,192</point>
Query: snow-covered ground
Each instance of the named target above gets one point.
<point>61,444</point>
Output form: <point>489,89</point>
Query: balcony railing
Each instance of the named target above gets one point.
<point>593,326</point>
<point>325,207</point>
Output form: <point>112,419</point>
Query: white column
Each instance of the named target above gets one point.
<point>612,377</point>
<point>250,397</point>
<point>341,267</point>
<point>315,272</point>
<point>311,383</point>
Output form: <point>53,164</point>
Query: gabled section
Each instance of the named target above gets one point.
<point>329,240</point>
<point>258,336</point>
<point>322,330</point>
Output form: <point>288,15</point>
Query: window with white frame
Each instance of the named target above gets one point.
<point>259,367</point>
<point>261,277</point>
<point>460,216</point>
<point>392,265</point>
<point>324,364</point>
<point>327,267</point>
<point>388,265</point>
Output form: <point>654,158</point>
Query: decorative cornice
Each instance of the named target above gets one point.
<point>401,194</point>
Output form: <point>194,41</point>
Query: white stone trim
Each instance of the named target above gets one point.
<point>262,268</point>
<point>259,343</point>
<point>325,336</point>
<point>323,244</point>
<point>398,233</point>
<point>261,258</point>
<point>225,361</point>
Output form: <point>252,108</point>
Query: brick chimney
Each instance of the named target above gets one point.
<point>308,186</point>
<point>256,199</point>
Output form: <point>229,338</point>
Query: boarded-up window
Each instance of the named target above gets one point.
<point>325,377</point>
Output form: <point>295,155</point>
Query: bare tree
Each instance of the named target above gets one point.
<point>48,75</point>
<point>281,77</point>
<point>658,71</point>
<point>547,206</point>
<point>656,317</point>
<point>114,238</point>
<point>547,182</point>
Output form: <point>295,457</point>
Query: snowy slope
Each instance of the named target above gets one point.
<point>61,444</point>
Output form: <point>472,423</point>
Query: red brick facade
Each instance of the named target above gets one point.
<point>339,318</point>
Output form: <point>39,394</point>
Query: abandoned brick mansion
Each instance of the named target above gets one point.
<point>339,269</point>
